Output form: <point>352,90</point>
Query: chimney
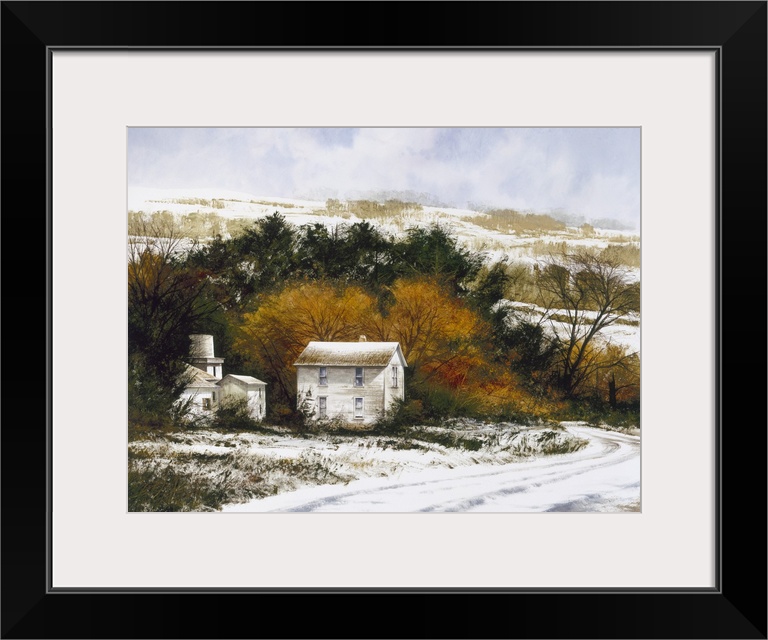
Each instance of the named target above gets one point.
<point>362,339</point>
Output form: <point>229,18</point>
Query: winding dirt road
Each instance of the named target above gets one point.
<point>602,477</point>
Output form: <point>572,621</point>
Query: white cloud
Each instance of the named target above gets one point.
<point>589,172</point>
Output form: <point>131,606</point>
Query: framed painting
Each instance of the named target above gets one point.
<point>130,111</point>
<point>401,346</point>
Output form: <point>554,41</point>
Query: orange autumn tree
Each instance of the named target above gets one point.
<point>449,352</point>
<point>617,376</point>
<point>436,330</point>
<point>275,334</point>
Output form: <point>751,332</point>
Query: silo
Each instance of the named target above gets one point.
<point>201,355</point>
<point>201,346</point>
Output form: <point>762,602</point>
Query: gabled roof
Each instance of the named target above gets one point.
<point>208,376</point>
<point>199,378</point>
<point>371,354</point>
<point>245,379</point>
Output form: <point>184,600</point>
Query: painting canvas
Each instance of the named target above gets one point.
<point>384,319</point>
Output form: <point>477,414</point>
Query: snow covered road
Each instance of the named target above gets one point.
<point>602,477</point>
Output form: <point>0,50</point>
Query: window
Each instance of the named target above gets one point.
<point>322,406</point>
<point>358,407</point>
<point>214,396</point>
<point>206,403</point>
<point>358,377</point>
<point>394,375</point>
<point>323,376</point>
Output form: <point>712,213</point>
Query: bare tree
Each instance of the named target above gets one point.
<point>165,302</point>
<point>584,293</point>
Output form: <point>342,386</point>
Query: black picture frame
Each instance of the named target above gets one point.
<point>736,608</point>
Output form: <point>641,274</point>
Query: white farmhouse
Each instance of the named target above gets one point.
<point>355,381</point>
<point>208,387</point>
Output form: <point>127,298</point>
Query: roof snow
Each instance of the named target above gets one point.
<point>372,354</point>
<point>199,378</point>
<point>245,379</point>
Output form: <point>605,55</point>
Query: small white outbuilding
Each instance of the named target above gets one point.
<point>354,381</point>
<point>247,388</point>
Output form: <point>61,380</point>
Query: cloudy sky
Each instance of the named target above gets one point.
<point>590,172</point>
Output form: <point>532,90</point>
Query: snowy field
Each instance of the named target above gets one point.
<point>625,333</point>
<point>602,477</point>
<point>468,466</point>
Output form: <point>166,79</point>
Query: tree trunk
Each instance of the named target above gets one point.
<point>612,391</point>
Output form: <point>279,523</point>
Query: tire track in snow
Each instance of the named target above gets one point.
<point>612,452</point>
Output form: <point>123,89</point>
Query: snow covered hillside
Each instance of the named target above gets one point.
<point>472,228</point>
<point>625,333</point>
